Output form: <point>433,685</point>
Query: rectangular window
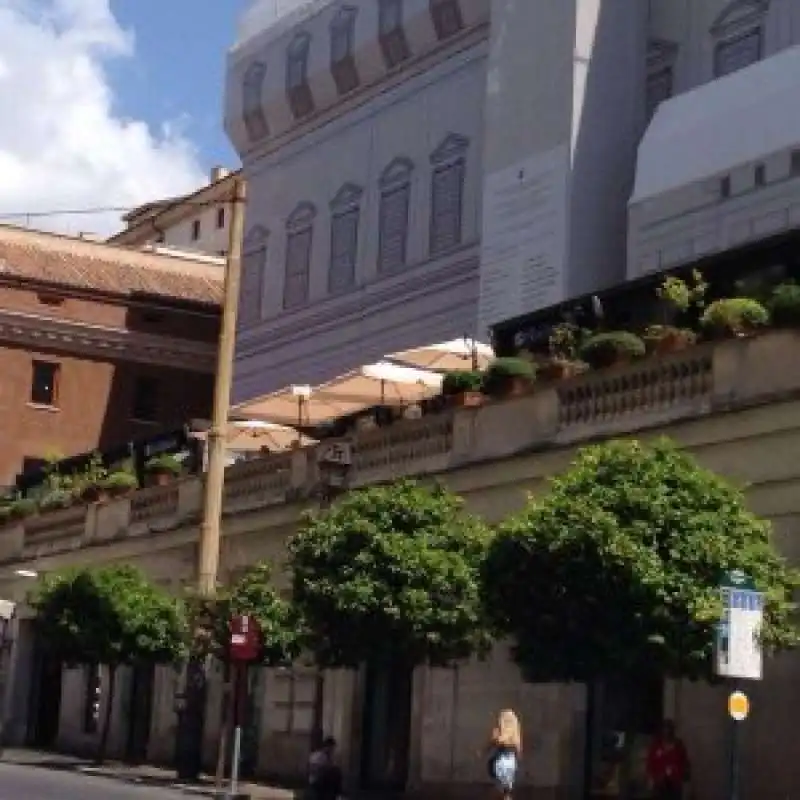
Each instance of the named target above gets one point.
<point>342,39</point>
<point>32,464</point>
<point>252,287</point>
<point>735,54</point>
<point>145,399</point>
<point>446,18</point>
<point>446,207</point>
<point>725,187</point>
<point>795,162</point>
<point>344,246</point>
<point>393,228</point>
<point>760,176</point>
<point>195,230</point>
<point>44,383</point>
<point>658,89</point>
<point>298,256</point>
<point>221,217</point>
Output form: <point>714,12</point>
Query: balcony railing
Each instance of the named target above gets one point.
<point>646,394</point>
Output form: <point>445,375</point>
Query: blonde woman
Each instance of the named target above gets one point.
<point>505,749</point>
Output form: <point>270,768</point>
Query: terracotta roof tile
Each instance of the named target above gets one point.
<point>82,264</point>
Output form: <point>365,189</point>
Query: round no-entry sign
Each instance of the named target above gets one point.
<point>738,706</point>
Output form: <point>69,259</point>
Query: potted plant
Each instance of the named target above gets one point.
<point>784,305</point>
<point>563,345</point>
<point>162,469</point>
<point>677,296</point>
<point>21,508</point>
<point>611,348</point>
<point>463,387</point>
<point>120,483</point>
<point>90,485</point>
<point>734,317</point>
<point>507,377</point>
<point>55,500</point>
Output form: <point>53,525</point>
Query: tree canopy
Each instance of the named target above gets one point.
<point>109,615</point>
<point>617,568</point>
<point>391,572</point>
<point>253,594</point>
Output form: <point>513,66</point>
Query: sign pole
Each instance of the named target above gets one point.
<point>240,685</point>
<point>735,758</point>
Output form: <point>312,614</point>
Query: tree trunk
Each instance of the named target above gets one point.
<point>112,683</point>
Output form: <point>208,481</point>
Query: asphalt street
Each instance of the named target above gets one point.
<point>21,782</point>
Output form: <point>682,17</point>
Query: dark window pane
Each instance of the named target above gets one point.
<point>44,383</point>
<point>393,231</point>
<point>145,399</point>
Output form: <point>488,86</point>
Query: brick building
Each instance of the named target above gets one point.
<point>99,345</point>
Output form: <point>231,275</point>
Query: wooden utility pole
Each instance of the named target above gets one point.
<point>208,559</point>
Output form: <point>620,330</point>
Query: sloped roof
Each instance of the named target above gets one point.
<point>96,266</point>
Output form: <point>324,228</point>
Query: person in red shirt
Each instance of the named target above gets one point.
<point>667,764</point>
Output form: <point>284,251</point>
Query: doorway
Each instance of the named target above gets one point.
<point>45,700</point>
<point>141,713</point>
<point>386,726</point>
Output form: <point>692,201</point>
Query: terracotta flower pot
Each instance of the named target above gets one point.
<point>160,477</point>
<point>93,494</point>
<point>467,399</point>
<point>558,370</point>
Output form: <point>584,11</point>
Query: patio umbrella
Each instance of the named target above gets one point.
<point>464,353</point>
<point>293,405</point>
<point>380,384</point>
<point>257,435</point>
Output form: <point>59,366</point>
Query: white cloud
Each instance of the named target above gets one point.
<point>62,145</point>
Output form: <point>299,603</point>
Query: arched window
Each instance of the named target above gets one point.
<point>395,186</point>
<point>739,35</point>
<point>255,121</point>
<point>298,89</point>
<point>447,18</point>
<point>343,62</point>
<point>299,239</point>
<point>391,32</point>
<point>447,193</point>
<point>661,56</point>
<point>254,264</point>
<point>345,215</point>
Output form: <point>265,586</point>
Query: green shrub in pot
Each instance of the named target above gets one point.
<point>784,305</point>
<point>508,376</point>
<point>121,482</point>
<point>734,316</point>
<point>460,381</point>
<point>612,347</point>
<point>21,508</point>
<point>56,499</point>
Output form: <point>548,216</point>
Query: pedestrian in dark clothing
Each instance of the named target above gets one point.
<point>324,775</point>
<point>667,764</point>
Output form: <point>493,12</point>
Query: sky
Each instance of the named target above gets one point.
<point>109,103</point>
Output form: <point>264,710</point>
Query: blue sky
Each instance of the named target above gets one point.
<point>178,69</point>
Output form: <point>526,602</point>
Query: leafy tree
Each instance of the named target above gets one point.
<point>616,570</point>
<point>391,573</point>
<point>110,615</point>
<point>253,594</point>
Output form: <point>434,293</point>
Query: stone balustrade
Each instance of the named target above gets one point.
<point>646,394</point>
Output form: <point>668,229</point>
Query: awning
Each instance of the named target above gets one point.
<point>377,384</point>
<point>729,122</point>
<point>457,354</point>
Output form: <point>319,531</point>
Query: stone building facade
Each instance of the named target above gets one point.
<point>734,405</point>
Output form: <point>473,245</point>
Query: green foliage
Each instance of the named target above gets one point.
<point>564,341</point>
<point>391,572</point>
<point>784,305</point>
<point>120,482</point>
<point>682,294</point>
<point>56,499</point>
<point>21,508</point>
<point>459,381</point>
<point>616,569</point>
<point>107,615</point>
<point>90,482</point>
<point>606,349</point>
<point>502,372</point>
<point>164,463</point>
<point>253,594</point>
<point>734,316</point>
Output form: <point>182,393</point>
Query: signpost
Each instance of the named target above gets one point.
<point>738,654</point>
<point>245,648</point>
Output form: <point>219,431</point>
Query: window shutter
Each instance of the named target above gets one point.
<point>298,254</point>
<point>393,228</point>
<point>250,292</point>
<point>659,88</point>
<point>344,246</point>
<point>738,53</point>
<point>448,185</point>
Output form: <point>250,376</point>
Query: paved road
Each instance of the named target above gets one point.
<point>19,782</point>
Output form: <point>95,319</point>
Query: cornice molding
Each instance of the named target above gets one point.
<point>98,341</point>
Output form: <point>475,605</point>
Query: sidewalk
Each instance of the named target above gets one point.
<point>144,775</point>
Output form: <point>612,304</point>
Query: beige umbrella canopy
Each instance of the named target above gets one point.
<point>371,385</point>
<point>446,356</point>
<point>257,436</point>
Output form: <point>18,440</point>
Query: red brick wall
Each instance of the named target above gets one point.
<point>95,397</point>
